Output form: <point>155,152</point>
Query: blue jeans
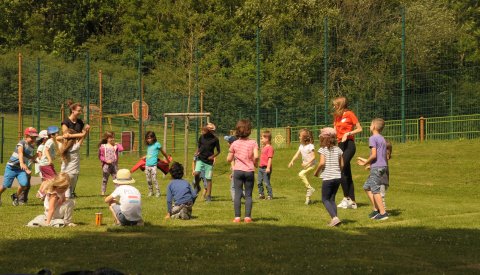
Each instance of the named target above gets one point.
<point>264,177</point>
<point>14,172</point>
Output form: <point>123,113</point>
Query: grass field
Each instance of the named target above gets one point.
<point>434,224</point>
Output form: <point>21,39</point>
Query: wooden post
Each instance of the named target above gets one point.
<point>288,134</point>
<point>100,92</point>
<point>62,112</point>
<point>20,124</point>
<point>185,144</point>
<point>165,128</point>
<point>422,129</point>
<point>173,136</point>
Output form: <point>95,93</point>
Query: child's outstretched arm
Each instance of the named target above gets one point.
<point>294,158</point>
<point>164,153</point>
<point>52,202</point>
<point>372,157</point>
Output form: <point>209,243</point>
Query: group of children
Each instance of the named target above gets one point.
<point>125,201</point>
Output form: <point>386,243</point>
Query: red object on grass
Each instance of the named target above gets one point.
<point>163,165</point>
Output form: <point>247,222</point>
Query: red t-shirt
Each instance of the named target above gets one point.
<point>267,152</point>
<point>345,123</point>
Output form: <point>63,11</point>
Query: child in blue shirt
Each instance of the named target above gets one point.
<point>154,148</point>
<point>180,195</point>
<point>378,169</point>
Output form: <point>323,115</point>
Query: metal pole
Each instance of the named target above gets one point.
<point>100,103</point>
<point>196,95</point>
<point>38,94</point>
<point>140,111</point>
<point>276,117</point>
<point>325,69</point>
<point>258,84</point>
<point>3,138</point>
<point>402,103</point>
<point>20,116</point>
<point>451,114</point>
<point>87,57</point>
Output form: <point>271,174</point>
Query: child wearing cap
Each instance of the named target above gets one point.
<point>127,209</point>
<point>46,154</point>
<point>17,166</point>
<point>206,156</point>
<point>180,195</point>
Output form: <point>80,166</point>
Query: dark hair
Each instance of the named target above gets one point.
<point>176,170</point>
<point>67,145</point>
<point>243,128</point>
<point>150,134</point>
<point>73,105</point>
<point>106,136</point>
<point>328,141</point>
<point>268,135</point>
<point>40,141</point>
<point>306,136</point>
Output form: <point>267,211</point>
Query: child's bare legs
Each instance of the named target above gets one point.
<point>372,201</point>
<point>113,213</point>
<point>378,203</point>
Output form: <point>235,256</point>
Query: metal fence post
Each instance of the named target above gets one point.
<point>38,94</point>
<point>325,68</point>
<point>87,60</point>
<point>258,84</point>
<point>402,104</point>
<point>3,138</point>
<point>140,111</point>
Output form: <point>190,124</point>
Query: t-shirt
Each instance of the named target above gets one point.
<point>77,126</point>
<point>180,192</point>
<point>152,153</point>
<point>345,123</point>
<point>206,145</point>
<point>267,152</point>
<point>242,150</point>
<point>306,151</point>
<point>332,162</point>
<point>130,202</point>
<point>73,166</point>
<point>49,145</point>
<point>28,152</point>
<point>378,141</point>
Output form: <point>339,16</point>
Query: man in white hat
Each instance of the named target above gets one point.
<point>127,209</point>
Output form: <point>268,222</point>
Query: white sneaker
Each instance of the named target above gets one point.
<point>351,204</point>
<point>343,204</point>
<point>307,201</point>
<point>150,193</point>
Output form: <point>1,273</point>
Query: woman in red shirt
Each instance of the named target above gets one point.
<point>346,125</point>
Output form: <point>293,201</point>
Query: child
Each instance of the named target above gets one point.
<point>108,154</point>
<point>245,153</point>
<point>265,168</point>
<point>207,143</point>
<point>230,140</point>
<point>331,165</point>
<point>17,165</point>
<point>46,155</point>
<point>41,140</point>
<point>153,149</point>
<point>70,152</point>
<point>58,209</point>
<point>307,150</point>
<point>180,195</point>
<point>378,169</point>
<point>129,209</point>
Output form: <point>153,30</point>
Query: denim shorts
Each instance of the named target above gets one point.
<point>11,173</point>
<point>121,218</point>
<point>378,177</point>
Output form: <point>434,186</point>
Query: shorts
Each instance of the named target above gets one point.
<point>121,218</point>
<point>13,172</point>
<point>201,166</point>
<point>378,177</point>
<point>48,172</point>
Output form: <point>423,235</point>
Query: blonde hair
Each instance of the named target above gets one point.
<point>379,124</point>
<point>306,136</point>
<point>61,180</point>
<point>341,105</point>
<point>67,144</point>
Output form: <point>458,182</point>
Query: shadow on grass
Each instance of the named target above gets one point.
<point>248,248</point>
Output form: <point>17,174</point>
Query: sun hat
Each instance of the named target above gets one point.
<point>230,139</point>
<point>43,134</point>
<point>52,130</point>
<point>124,177</point>
<point>211,126</point>
<point>30,131</point>
<point>327,132</point>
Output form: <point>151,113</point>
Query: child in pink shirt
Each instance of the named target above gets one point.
<point>245,153</point>
<point>265,168</point>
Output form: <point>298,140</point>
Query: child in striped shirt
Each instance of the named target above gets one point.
<point>330,165</point>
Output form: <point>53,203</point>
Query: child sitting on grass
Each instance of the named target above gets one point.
<point>378,169</point>
<point>180,195</point>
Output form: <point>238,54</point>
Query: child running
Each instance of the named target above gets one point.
<point>153,149</point>
<point>331,165</point>
<point>17,165</point>
<point>245,153</point>
<point>108,151</point>
<point>70,152</point>
<point>378,169</point>
<point>265,168</point>
<point>180,195</point>
<point>307,150</point>
<point>46,155</point>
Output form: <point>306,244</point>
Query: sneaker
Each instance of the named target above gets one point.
<point>261,197</point>
<point>334,222</point>
<point>351,204</point>
<point>236,220</point>
<point>72,224</point>
<point>343,204</point>
<point>150,193</point>
<point>269,198</point>
<point>307,201</point>
<point>373,214</point>
<point>157,195</point>
<point>247,220</point>
<point>14,199</point>
<point>381,217</point>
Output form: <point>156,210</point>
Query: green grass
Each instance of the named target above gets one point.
<point>434,225</point>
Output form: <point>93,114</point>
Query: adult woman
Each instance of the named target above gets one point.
<point>73,121</point>
<point>346,126</point>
